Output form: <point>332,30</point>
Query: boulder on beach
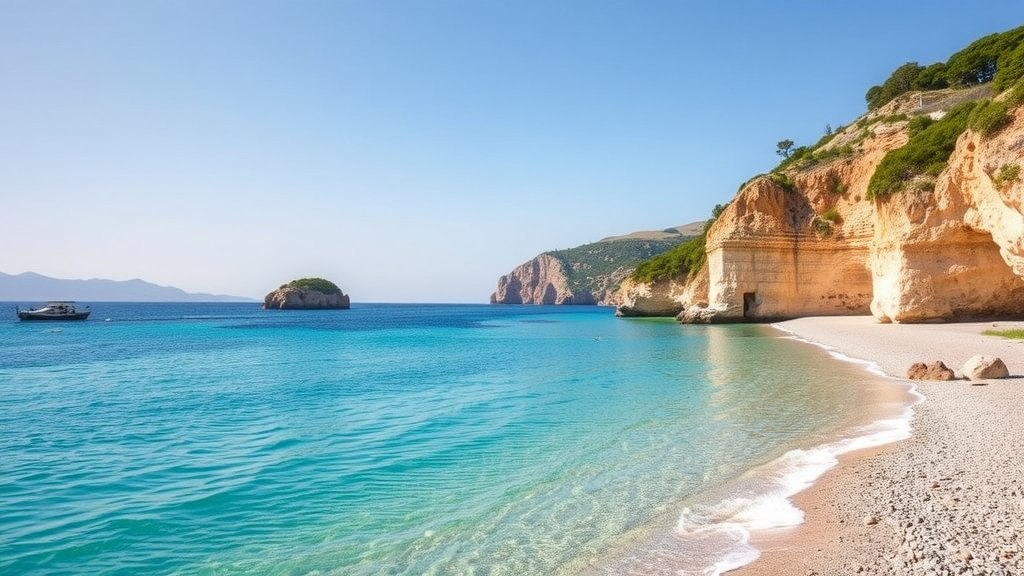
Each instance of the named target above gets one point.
<point>981,367</point>
<point>934,371</point>
<point>307,294</point>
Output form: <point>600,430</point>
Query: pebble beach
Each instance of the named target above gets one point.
<point>949,500</point>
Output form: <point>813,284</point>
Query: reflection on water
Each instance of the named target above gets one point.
<point>791,406</point>
<point>404,440</point>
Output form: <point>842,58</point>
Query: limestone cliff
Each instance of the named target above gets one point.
<point>307,294</point>
<point>538,281</point>
<point>958,251</point>
<point>807,240</point>
<point>660,298</point>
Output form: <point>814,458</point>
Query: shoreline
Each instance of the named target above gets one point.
<point>948,499</point>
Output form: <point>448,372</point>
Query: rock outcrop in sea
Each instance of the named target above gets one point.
<point>809,240</point>
<point>307,294</point>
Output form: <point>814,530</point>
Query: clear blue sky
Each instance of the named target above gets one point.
<point>411,150</point>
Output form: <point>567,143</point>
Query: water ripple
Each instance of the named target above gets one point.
<point>392,440</point>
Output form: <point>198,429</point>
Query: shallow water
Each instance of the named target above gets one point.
<point>401,439</point>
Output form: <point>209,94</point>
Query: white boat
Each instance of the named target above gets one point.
<point>57,310</point>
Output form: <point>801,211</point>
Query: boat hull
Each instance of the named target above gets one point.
<point>38,316</point>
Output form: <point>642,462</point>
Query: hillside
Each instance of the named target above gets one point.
<point>32,287</point>
<point>912,213</point>
<point>586,274</point>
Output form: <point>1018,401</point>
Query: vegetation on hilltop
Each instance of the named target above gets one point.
<point>991,116</point>
<point>997,57</point>
<point>682,261</point>
<point>1009,68</point>
<point>932,141</point>
<point>318,284</point>
<point>926,153</point>
<point>807,156</point>
<point>599,265</point>
<point>909,76</point>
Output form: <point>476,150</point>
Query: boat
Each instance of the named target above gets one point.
<point>58,310</point>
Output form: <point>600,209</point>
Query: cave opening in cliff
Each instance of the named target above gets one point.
<point>749,301</point>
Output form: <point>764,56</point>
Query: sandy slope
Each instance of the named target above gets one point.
<point>949,500</point>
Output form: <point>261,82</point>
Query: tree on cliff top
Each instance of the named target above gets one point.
<point>899,82</point>
<point>1010,68</point>
<point>978,63</point>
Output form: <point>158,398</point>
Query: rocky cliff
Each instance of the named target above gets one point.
<point>807,240</point>
<point>539,281</point>
<point>307,294</point>
<point>666,297</point>
<point>955,252</point>
<point>587,274</point>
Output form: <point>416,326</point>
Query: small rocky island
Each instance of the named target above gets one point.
<point>307,294</point>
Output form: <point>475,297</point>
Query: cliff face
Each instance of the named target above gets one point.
<point>812,244</point>
<point>956,252</point>
<point>288,297</point>
<point>661,298</point>
<point>542,280</point>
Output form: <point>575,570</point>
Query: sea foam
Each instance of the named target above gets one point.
<point>761,499</point>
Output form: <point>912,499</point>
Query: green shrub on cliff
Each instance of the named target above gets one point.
<point>807,156</point>
<point>832,215</point>
<point>1016,97</point>
<point>796,156</point>
<point>989,117</point>
<point>318,284</point>
<point>784,181</point>
<point>1010,68</point>
<point>680,261</point>
<point>918,124</point>
<point>1008,173</point>
<point>998,57</point>
<point>590,266</point>
<point>932,77</point>
<point>821,226</point>
<point>835,185</point>
<point>927,152</point>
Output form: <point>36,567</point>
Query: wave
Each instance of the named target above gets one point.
<point>713,534</point>
<point>761,499</point>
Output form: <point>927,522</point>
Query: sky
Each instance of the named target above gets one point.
<point>411,150</point>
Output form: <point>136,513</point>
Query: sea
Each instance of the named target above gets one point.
<point>411,439</point>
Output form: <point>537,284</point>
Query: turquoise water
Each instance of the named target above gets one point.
<point>389,439</point>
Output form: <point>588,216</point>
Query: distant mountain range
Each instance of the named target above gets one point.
<point>32,287</point>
